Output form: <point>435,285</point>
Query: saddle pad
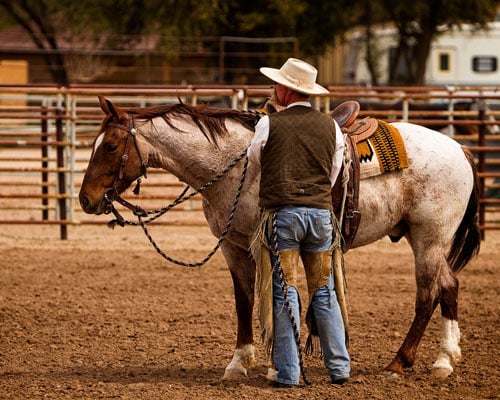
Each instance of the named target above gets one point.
<point>383,152</point>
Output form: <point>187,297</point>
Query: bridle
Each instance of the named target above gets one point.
<point>112,193</point>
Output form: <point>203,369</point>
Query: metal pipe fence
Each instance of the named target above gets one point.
<point>46,134</point>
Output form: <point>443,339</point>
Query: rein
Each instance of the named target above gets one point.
<point>226,229</point>
<point>113,195</point>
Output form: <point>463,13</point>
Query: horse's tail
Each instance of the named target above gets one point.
<point>467,239</point>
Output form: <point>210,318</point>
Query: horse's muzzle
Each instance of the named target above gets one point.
<point>90,208</point>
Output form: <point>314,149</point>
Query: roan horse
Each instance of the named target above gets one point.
<point>433,204</point>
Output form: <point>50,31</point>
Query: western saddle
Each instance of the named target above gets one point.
<point>355,131</point>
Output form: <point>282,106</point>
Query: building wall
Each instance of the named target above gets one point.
<point>331,65</point>
<point>13,72</point>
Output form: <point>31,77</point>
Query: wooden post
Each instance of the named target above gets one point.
<point>222,56</point>
<point>481,142</point>
<point>45,165</point>
<point>61,175</point>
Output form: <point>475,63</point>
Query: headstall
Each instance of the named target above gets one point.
<point>112,194</point>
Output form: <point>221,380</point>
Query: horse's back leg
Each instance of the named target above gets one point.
<point>242,270</point>
<point>465,245</point>
<point>436,283</point>
<point>449,350</point>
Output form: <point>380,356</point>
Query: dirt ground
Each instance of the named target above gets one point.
<point>103,316</point>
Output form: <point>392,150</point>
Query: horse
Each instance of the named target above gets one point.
<point>433,204</point>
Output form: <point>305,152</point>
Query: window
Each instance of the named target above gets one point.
<point>484,64</point>
<point>444,62</point>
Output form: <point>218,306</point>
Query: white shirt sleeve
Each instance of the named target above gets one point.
<point>259,140</point>
<point>338,157</point>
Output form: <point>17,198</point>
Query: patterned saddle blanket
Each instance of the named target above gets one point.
<point>384,151</point>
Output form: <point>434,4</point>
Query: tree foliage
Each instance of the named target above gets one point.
<point>58,25</point>
<point>33,17</point>
<point>53,24</point>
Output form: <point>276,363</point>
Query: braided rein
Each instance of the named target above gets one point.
<point>181,199</point>
<point>140,212</point>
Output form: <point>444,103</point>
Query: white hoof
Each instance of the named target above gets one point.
<point>243,359</point>
<point>232,375</point>
<point>272,374</point>
<point>441,372</point>
<point>442,368</point>
<point>391,374</point>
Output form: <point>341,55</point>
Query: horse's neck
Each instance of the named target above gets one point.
<point>188,154</point>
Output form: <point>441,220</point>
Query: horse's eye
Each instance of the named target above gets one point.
<point>110,147</point>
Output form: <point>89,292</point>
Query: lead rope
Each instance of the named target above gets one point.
<point>143,223</point>
<point>284,287</point>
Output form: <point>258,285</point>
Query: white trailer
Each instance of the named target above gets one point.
<point>459,56</point>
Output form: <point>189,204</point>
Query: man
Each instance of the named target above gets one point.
<point>300,151</point>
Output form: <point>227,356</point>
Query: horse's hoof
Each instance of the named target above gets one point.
<point>272,374</point>
<point>441,372</point>
<point>391,374</point>
<point>394,369</point>
<point>233,375</point>
<point>443,367</point>
<point>242,359</point>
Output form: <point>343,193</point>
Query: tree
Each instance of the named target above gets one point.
<point>57,27</point>
<point>315,25</point>
<point>33,16</point>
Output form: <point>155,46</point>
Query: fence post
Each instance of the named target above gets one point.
<point>405,109</point>
<point>481,142</point>
<point>61,175</point>
<point>451,108</point>
<point>45,165</point>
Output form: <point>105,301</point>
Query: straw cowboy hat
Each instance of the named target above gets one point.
<point>297,75</point>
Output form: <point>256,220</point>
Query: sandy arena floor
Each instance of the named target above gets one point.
<point>103,316</point>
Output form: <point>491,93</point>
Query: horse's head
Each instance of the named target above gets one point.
<point>118,159</point>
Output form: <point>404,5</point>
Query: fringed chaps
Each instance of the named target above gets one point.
<point>264,283</point>
<point>318,267</point>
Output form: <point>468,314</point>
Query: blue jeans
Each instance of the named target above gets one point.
<point>308,230</point>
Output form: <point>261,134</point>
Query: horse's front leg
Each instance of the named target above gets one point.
<point>242,269</point>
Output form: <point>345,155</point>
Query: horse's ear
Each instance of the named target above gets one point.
<point>108,107</point>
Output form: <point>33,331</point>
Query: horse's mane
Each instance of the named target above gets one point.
<point>210,120</point>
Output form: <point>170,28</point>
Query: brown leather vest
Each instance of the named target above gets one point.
<point>297,159</point>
